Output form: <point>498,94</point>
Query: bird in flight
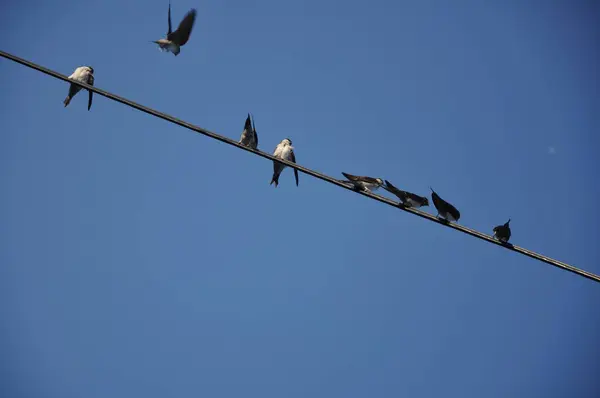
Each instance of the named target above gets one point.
<point>176,39</point>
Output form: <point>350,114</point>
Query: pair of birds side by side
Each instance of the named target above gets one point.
<point>172,43</point>
<point>445,209</point>
<point>284,149</point>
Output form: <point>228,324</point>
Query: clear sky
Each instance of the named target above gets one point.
<point>139,259</point>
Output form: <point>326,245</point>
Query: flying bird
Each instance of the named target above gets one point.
<point>502,232</point>
<point>408,199</point>
<point>176,39</point>
<point>83,74</point>
<point>362,183</point>
<point>249,136</point>
<point>284,150</point>
<point>445,209</point>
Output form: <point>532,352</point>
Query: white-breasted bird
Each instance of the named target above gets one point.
<point>249,136</point>
<point>175,40</point>
<point>363,183</point>
<point>284,150</point>
<point>408,199</point>
<point>502,232</point>
<point>445,210</point>
<point>84,74</point>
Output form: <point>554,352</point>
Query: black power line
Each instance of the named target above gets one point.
<point>304,170</point>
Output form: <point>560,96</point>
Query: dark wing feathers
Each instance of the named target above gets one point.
<point>254,131</point>
<point>354,178</point>
<point>169,32</point>
<point>182,34</point>
<point>398,192</point>
<point>293,159</point>
<point>91,93</point>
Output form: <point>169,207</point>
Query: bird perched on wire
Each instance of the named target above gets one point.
<point>408,199</point>
<point>284,150</point>
<point>175,40</point>
<point>249,136</point>
<point>445,210</point>
<point>363,183</point>
<point>83,74</point>
<point>502,232</point>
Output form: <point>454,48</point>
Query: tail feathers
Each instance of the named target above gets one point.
<point>275,180</point>
<point>67,100</point>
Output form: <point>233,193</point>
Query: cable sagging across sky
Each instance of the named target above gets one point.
<point>312,173</point>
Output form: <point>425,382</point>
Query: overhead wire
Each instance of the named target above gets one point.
<point>310,172</point>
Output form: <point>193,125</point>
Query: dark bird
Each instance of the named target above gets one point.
<point>502,232</point>
<point>83,74</point>
<point>445,210</point>
<point>249,136</point>
<point>284,150</point>
<point>363,183</point>
<point>408,199</point>
<point>177,39</point>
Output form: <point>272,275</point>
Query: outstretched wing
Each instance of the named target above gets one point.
<point>169,32</point>
<point>182,34</point>
<point>91,93</point>
<point>293,159</point>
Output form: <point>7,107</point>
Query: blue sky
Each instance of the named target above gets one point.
<point>141,259</point>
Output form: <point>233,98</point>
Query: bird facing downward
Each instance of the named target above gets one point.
<point>502,232</point>
<point>249,136</point>
<point>363,183</point>
<point>408,199</point>
<point>445,209</point>
<point>83,74</point>
<point>284,150</point>
<point>175,40</point>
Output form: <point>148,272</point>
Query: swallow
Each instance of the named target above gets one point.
<point>175,40</point>
<point>408,199</point>
<point>362,183</point>
<point>502,232</point>
<point>284,150</point>
<point>83,74</point>
<point>249,136</point>
<point>445,210</point>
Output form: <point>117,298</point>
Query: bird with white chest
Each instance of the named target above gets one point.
<point>284,150</point>
<point>83,74</point>
<point>175,40</point>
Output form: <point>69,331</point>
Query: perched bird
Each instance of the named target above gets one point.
<point>285,151</point>
<point>83,74</point>
<point>445,209</point>
<point>176,39</point>
<point>408,199</point>
<point>249,136</point>
<point>502,232</point>
<point>362,183</point>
